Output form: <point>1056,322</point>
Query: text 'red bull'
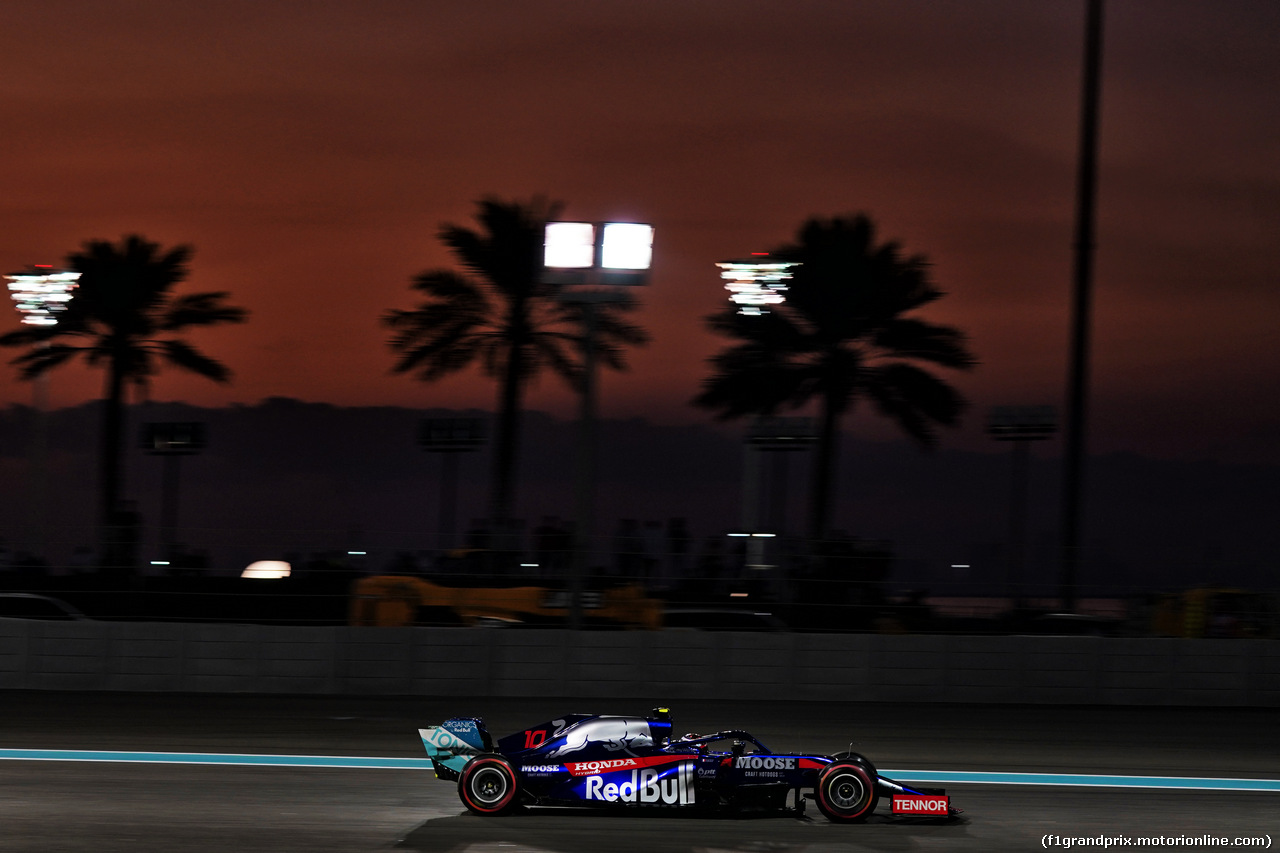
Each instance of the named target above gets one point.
<point>648,785</point>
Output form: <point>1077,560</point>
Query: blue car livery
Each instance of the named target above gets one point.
<point>635,762</point>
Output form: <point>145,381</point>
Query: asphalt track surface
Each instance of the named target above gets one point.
<point>54,806</point>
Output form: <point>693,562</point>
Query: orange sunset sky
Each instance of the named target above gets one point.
<point>309,150</point>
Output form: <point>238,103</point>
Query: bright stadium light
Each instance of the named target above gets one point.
<point>592,264</point>
<point>756,282</point>
<point>570,245</point>
<point>600,254</point>
<point>626,246</point>
<point>41,292</point>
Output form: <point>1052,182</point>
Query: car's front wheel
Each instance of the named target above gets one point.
<point>845,792</point>
<point>487,785</point>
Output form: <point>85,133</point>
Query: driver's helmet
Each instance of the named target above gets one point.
<point>660,726</point>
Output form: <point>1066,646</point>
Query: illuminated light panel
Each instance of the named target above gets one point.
<point>754,285</point>
<point>599,255</point>
<point>569,245</point>
<point>40,295</point>
<point>627,246</point>
<point>267,569</point>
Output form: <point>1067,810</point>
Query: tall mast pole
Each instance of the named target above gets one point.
<point>1082,280</point>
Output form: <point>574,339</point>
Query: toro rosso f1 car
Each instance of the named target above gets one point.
<point>595,760</point>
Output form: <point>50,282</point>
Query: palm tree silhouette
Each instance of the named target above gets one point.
<point>841,335</point>
<point>501,315</point>
<point>124,318</point>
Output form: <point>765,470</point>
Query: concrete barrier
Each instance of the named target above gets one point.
<point>662,665</point>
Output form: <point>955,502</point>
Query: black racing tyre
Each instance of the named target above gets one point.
<point>487,785</point>
<point>846,792</point>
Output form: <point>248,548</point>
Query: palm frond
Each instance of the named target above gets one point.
<point>37,362</point>
<point>912,338</point>
<point>753,380</point>
<point>507,252</point>
<point>618,332</point>
<point>181,354</point>
<point>121,303</point>
<point>914,399</point>
<point>555,350</point>
<point>200,309</point>
<point>447,286</point>
<point>449,357</point>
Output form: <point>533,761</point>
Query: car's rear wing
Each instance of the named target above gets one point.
<point>453,743</point>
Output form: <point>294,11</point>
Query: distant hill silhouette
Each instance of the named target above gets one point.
<point>287,477</point>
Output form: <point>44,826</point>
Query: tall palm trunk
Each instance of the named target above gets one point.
<point>824,463</point>
<point>507,450</point>
<point>112,431</point>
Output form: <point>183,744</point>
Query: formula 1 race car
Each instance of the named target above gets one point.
<point>595,760</point>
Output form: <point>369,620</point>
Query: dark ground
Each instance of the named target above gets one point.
<point>47,806</point>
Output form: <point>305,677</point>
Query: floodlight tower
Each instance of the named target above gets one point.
<point>172,440</point>
<point>593,263</point>
<point>448,437</point>
<point>40,292</point>
<point>755,283</point>
<point>1020,425</point>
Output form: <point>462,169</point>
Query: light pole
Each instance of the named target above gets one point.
<point>1074,453</point>
<point>172,440</point>
<point>449,437</point>
<point>774,438</point>
<point>593,263</point>
<point>1020,425</point>
<point>755,283</point>
<point>764,507</point>
<point>40,293</point>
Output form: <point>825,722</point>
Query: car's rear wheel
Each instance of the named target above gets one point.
<point>846,792</point>
<point>487,785</point>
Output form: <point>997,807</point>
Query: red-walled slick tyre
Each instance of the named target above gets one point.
<point>487,785</point>
<point>845,792</point>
